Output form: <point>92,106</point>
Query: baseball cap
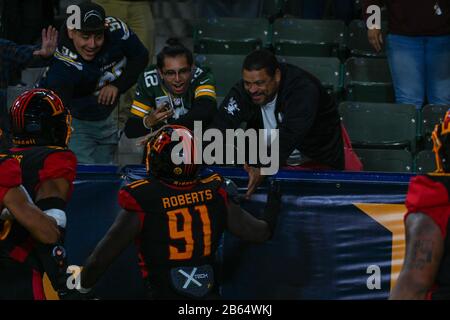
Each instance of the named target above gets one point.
<point>92,17</point>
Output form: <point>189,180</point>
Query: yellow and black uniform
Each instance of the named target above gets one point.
<point>181,227</point>
<point>198,103</point>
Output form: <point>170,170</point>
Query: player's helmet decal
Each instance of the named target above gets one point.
<point>159,151</point>
<point>38,117</point>
<point>441,144</point>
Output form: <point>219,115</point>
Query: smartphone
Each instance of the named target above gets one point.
<point>163,103</point>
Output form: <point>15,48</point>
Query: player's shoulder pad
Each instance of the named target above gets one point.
<point>117,29</point>
<point>215,180</point>
<point>137,185</point>
<point>442,178</point>
<point>10,172</point>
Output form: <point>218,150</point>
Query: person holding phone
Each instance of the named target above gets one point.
<point>174,91</point>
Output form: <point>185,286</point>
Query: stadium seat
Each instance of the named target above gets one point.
<point>326,69</point>
<point>230,35</point>
<point>311,38</point>
<point>425,161</point>
<point>357,41</point>
<point>431,115</point>
<point>386,160</point>
<point>226,69</point>
<point>380,125</point>
<point>368,80</point>
<point>271,8</point>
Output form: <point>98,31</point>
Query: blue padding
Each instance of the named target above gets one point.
<point>321,247</point>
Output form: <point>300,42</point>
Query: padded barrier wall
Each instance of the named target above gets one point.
<point>339,236</point>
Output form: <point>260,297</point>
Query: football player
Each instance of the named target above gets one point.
<point>41,128</point>
<point>177,218</point>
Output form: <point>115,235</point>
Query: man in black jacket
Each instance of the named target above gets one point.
<point>95,62</point>
<point>274,95</point>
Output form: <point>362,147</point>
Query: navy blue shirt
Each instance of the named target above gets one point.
<point>78,82</point>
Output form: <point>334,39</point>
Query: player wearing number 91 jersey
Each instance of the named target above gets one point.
<point>177,218</point>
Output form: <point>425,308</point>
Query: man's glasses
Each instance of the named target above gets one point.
<point>172,74</point>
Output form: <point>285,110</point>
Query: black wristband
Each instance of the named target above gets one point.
<point>51,203</point>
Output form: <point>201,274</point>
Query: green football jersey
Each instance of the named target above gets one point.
<point>151,93</point>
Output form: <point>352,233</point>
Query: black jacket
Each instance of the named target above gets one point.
<point>78,82</point>
<point>307,116</point>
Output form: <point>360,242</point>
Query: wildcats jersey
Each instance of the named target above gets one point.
<point>180,226</point>
<point>151,94</point>
<point>430,195</point>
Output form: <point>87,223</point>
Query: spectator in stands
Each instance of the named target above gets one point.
<point>92,66</point>
<point>425,272</point>
<point>138,16</point>
<point>274,95</point>
<point>14,58</point>
<point>175,91</point>
<point>418,49</point>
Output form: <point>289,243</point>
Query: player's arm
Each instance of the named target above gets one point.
<point>245,226</point>
<point>54,191</point>
<point>123,231</point>
<point>424,251</point>
<point>41,227</point>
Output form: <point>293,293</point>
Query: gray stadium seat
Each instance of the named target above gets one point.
<point>313,38</point>
<point>226,69</point>
<point>386,160</point>
<point>431,115</point>
<point>357,41</point>
<point>425,161</point>
<point>380,125</point>
<point>230,35</point>
<point>368,80</point>
<point>326,69</point>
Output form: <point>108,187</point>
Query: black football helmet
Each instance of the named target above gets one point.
<point>177,141</point>
<point>441,144</point>
<point>38,117</point>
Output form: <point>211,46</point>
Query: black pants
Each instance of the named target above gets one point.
<point>19,281</point>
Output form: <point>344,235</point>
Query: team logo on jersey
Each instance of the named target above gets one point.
<point>232,106</point>
<point>178,171</point>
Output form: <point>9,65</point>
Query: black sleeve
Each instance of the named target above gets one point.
<point>203,109</point>
<point>133,69</point>
<point>300,109</point>
<point>232,112</point>
<point>134,128</point>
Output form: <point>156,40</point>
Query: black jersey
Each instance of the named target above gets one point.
<point>181,226</point>
<point>38,164</point>
<point>42,163</point>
